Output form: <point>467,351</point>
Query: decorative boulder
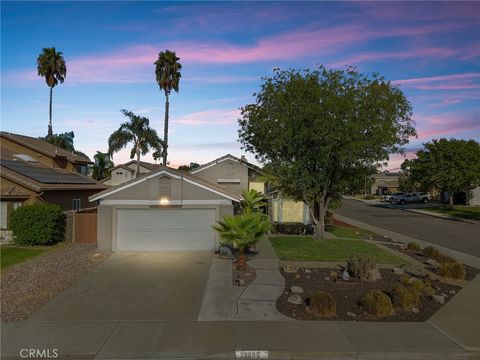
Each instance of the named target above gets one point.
<point>295,299</point>
<point>296,290</point>
<point>225,251</point>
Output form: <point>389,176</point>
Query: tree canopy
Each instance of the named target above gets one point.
<point>64,141</point>
<point>449,165</point>
<point>102,166</point>
<point>318,131</point>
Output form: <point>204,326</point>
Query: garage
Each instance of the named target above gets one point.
<point>165,229</point>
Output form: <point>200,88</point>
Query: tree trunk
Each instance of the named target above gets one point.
<point>138,164</point>
<point>50,130</point>
<point>450,198</point>
<point>165,129</point>
<point>320,222</point>
<point>241,262</point>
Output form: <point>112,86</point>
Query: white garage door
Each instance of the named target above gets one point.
<point>162,229</point>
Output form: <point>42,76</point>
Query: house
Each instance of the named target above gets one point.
<point>474,197</point>
<point>282,209</point>
<point>34,171</point>
<point>384,183</point>
<point>125,172</point>
<point>166,209</point>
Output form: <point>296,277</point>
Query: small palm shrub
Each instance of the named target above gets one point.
<point>323,304</point>
<point>453,269</point>
<point>413,246</point>
<point>377,303</point>
<point>360,267</point>
<point>405,297</point>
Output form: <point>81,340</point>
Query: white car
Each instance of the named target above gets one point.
<point>389,197</point>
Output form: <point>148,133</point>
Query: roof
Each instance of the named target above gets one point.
<point>146,165</point>
<point>42,178</point>
<point>176,173</point>
<point>13,192</point>
<point>386,174</point>
<point>44,147</point>
<point>223,158</point>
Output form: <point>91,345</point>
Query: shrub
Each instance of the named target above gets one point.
<point>360,267</point>
<point>323,304</point>
<point>369,197</point>
<point>454,270</point>
<point>430,252</point>
<point>413,246</point>
<point>444,259</point>
<point>38,224</point>
<point>377,303</point>
<point>405,297</point>
<point>292,228</point>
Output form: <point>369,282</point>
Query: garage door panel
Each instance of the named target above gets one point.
<point>162,229</point>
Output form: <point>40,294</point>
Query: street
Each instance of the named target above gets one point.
<point>455,235</point>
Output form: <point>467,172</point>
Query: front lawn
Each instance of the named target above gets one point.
<point>464,212</point>
<point>352,233</point>
<point>11,255</point>
<point>308,248</point>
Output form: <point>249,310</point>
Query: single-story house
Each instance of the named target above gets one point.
<point>384,183</point>
<point>165,209</point>
<point>125,172</point>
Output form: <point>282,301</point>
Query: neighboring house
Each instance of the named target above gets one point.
<point>474,198</point>
<point>33,172</point>
<point>282,209</point>
<point>165,209</point>
<point>384,183</point>
<point>126,172</point>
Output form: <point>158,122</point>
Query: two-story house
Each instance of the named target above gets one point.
<point>33,170</point>
<point>126,172</point>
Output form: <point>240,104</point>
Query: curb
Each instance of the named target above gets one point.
<point>445,217</point>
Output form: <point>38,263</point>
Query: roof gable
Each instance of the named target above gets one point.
<point>222,159</point>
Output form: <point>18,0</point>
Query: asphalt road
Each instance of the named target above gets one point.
<point>455,235</point>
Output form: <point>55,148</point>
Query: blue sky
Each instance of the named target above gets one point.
<point>431,49</point>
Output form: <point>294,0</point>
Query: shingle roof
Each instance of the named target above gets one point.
<point>44,147</point>
<point>176,172</point>
<point>228,156</point>
<point>146,165</point>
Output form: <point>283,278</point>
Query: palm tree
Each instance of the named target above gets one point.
<point>167,71</point>
<point>241,231</point>
<point>252,201</point>
<point>103,164</point>
<point>51,65</point>
<point>136,131</point>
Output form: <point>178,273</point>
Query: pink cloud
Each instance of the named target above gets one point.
<point>448,124</point>
<point>443,82</point>
<point>209,117</point>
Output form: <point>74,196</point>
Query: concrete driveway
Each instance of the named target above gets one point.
<point>135,286</point>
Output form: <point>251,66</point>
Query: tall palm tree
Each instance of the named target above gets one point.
<point>167,71</point>
<point>103,164</point>
<point>136,131</point>
<point>51,65</point>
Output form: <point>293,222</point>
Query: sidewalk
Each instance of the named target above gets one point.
<point>442,216</point>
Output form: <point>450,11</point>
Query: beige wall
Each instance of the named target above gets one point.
<point>227,169</point>
<point>119,176</point>
<point>283,210</point>
<point>256,185</point>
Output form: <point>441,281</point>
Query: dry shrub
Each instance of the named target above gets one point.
<point>454,270</point>
<point>405,297</point>
<point>430,252</point>
<point>361,267</point>
<point>413,246</point>
<point>377,303</point>
<point>323,304</point>
<point>443,259</point>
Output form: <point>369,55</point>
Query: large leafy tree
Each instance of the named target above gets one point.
<point>167,72</point>
<point>136,131</point>
<point>51,65</point>
<point>318,131</point>
<point>193,165</point>
<point>64,141</point>
<point>448,165</point>
<point>102,166</point>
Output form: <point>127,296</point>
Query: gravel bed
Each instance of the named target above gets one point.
<point>26,287</point>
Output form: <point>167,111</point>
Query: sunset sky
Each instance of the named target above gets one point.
<point>431,49</point>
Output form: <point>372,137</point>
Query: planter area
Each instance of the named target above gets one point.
<point>302,283</point>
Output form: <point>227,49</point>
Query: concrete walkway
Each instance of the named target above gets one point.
<point>443,216</point>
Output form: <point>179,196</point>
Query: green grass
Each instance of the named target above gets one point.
<point>464,212</point>
<point>11,255</point>
<point>352,233</point>
<point>308,248</point>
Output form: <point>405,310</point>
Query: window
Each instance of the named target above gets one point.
<point>82,169</point>
<point>119,173</point>
<point>76,204</point>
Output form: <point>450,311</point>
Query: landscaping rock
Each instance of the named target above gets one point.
<point>453,292</point>
<point>225,251</point>
<point>436,286</point>
<point>398,271</point>
<point>409,269</point>
<point>295,299</point>
<point>298,276</point>
<point>375,275</point>
<point>345,275</point>
<point>326,278</point>
<point>296,290</point>
<point>439,298</point>
<point>444,295</point>
<point>308,271</point>
<point>415,310</point>
<point>333,274</point>
<point>290,269</point>
<point>353,315</point>
<point>433,263</point>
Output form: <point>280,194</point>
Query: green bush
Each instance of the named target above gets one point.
<point>323,304</point>
<point>405,297</point>
<point>413,246</point>
<point>369,197</point>
<point>452,269</point>
<point>377,303</point>
<point>38,224</point>
<point>360,267</point>
<point>292,228</point>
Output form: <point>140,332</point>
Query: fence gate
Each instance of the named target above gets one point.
<point>85,227</point>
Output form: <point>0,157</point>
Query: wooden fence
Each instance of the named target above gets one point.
<point>85,227</point>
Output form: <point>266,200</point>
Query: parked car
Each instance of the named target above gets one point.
<point>388,197</point>
<point>424,197</point>
<point>404,198</point>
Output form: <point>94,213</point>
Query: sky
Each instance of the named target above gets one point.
<point>430,49</point>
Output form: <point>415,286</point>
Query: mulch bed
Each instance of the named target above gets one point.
<point>243,277</point>
<point>26,287</point>
<point>347,295</point>
<point>470,272</point>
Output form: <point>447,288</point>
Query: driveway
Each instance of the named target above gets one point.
<point>455,235</point>
<point>135,286</point>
